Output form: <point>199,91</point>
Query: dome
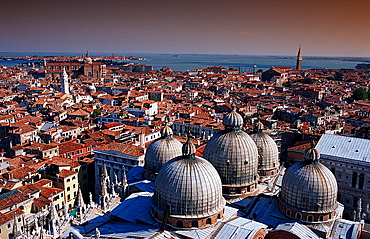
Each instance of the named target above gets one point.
<point>87,59</point>
<point>232,120</point>
<point>234,155</point>
<point>162,150</point>
<point>309,186</point>
<point>268,153</point>
<point>192,188</point>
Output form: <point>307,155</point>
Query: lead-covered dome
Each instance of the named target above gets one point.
<point>232,120</point>
<point>234,155</point>
<point>162,150</point>
<point>192,188</point>
<point>268,153</point>
<point>309,188</point>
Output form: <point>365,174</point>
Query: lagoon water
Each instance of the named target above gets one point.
<point>183,62</point>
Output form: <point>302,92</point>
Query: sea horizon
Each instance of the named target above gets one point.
<point>191,61</point>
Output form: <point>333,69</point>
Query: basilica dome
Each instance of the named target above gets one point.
<point>189,190</point>
<point>268,153</point>
<point>161,150</point>
<point>234,155</point>
<point>310,189</point>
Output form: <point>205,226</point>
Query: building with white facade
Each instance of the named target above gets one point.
<point>117,157</point>
<point>349,160</point>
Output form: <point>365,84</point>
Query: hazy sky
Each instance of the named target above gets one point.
<point>259,27</point>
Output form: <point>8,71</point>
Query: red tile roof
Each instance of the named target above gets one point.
<point>128,149</point>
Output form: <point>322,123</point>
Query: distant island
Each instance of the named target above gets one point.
<point>363,66</point>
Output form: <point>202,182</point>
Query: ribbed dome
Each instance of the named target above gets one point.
<point>191,186</point>
<point>162,150</point>
<point>268,153</point>
<point>232,120</point>
<point>234,155</point>
<point>309,186</point>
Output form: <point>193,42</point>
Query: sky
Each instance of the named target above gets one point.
<point>259,27</point>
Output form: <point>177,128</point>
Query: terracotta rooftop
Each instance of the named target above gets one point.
<point>128,149</point>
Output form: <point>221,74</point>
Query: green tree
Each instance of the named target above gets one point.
<point>96,113</point>
<point>360,94</point>
<point>287,84</point>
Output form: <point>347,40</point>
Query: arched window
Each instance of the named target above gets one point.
<point>310,218</point>
<point>298,216</point>
<point>321,218</point>
<point>219,216</point>
<point>194,223</point>
<point>288,212</point>
<point>209,221</point>
<point>355,202</point>
<point>361,181</point>
<point>179,224</point>
<point>354,179</point>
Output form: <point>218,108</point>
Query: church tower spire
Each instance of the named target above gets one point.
<point>65,85</point>
<point>299,59</point>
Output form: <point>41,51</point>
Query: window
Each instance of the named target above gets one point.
<point>208,221</point>
<point>355,202</point>
<point>68,189</point>
<point>298,216</point>
<point>179,224</point>
<point>361,181</point>
<point>194,223</point>
<point>288,212</point>
<point>354,179</point>
<point>310,218</point>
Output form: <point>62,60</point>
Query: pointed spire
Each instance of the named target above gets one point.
<point>124,177</point>
<point>104,190</point>
<point>116,182</point>
<point>299,59</point>
<point>80,200</point>
<point>65,85</point>
<point>124,184</point>
<point>105,172</point>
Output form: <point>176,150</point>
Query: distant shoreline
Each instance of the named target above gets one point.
<point>184,62</point>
